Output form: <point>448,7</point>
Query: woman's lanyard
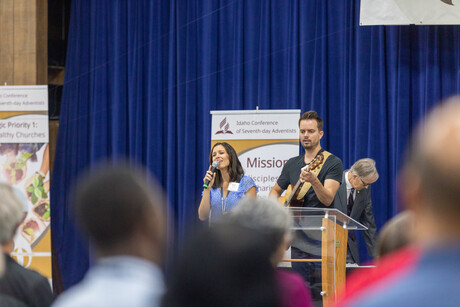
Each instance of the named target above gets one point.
<point>223,205</point>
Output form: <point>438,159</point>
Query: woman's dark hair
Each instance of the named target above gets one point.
<point>235,170</point>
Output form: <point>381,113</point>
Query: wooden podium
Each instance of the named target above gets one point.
<point>330,226</point>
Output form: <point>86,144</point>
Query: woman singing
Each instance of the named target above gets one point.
<point>227,185</point>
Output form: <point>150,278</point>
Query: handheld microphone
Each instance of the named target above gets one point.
<point>214,166</point>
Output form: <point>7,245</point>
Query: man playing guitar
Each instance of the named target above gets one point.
<point>318,188</point>
<point>327,182</point>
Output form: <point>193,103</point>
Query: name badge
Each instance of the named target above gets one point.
<point>233,186</point>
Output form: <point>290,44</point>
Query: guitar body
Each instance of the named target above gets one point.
<point>290,197</point>
<point>283,199</point>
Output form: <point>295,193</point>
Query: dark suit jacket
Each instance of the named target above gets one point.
<point>8,301</point>
<point>361,212</point>
<point>25,285</point>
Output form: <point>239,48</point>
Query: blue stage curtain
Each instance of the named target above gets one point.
<point>142,76</point>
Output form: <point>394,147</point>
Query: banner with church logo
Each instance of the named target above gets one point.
<point>263,139</point>
<point>24,164</point>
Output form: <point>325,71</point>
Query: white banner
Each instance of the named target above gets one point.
<point>405,12</point>
<point>264,141</point>
<point>255,125</point>
<point>26,128</point>
<point>265,162</point>
<point>24,98</point>
<point>24,163</point>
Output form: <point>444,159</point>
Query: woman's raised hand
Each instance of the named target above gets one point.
<point>209,176</point>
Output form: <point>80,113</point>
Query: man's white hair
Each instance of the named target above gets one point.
<point>365,168</point>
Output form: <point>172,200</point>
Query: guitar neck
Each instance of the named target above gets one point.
<point>293,192</point>
<point>318,160</point>
<point>297,186</point>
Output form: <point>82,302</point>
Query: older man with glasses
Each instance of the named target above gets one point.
<point>354,199</point>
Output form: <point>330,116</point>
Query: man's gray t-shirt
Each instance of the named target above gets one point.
<point>310,241</point>
<point>332,169</point>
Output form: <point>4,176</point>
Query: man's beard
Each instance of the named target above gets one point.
<point>312,145</point>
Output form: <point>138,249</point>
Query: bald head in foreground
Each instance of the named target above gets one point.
<point>425,274</point>
<point>122,216</point>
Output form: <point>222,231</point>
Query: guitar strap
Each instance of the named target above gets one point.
<point>307,185</point>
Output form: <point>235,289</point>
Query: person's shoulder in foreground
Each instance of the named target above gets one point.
<point>117,281</point>
<point>409,277</point>
<point>24,284</point>
<point>389,271</point>
<point>9,301</point>
<point>294,292</point>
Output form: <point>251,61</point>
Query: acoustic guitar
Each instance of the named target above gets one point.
<point>291,197</point>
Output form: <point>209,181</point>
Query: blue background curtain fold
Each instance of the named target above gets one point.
<point>142,76</point>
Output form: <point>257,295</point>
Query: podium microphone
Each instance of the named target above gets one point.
<point>214,166</point>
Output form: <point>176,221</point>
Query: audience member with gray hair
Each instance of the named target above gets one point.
<point>18,283</point>
<point>11,214</point>
<point>354,199</point>
<point>272,220</point>
<point>268,217</point>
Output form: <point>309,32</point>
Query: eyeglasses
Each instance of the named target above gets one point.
<point>365,184</point>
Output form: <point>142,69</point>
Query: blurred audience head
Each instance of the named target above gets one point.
<point>268,217</point>
<point>430,180</point>
<point>226,265</point>
<point>11,215</point>
<point>120,209</point>
<point>395,234</point>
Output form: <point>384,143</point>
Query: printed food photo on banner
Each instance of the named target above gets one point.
<point>26,167</point>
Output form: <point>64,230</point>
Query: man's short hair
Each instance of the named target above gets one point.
<point>365,168</point>
<point>395,234</point>
<point>11,213</point>
<point>312,115</point>
<point>112,203</point>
